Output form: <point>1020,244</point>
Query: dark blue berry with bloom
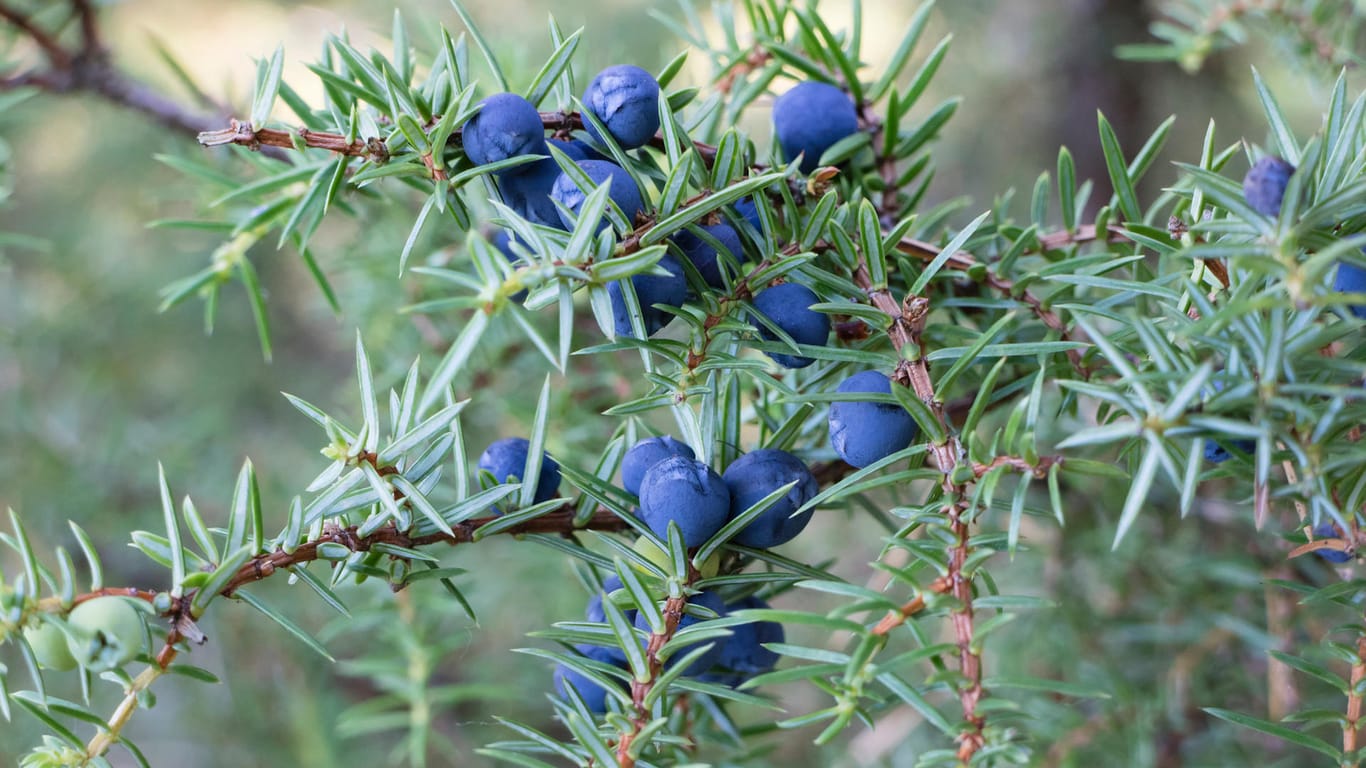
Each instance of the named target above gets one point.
<point>592,693</point>
<point>506,459</point>
<point>650,289</point>
<point>810,118</point>
<point>743,654</point>
<point>1351,279</point>
<point>705,256</point>
<point>646,454</point>
<point>789,307</point>
<point>594,610</point>
<point>865,432</point>
<point>622,189</point>
<point>528,193</point>
<point>746,208</point>
<point>1216,453</point>
<point>1264,185</point>
<point>686,492</point>
<point>625,98</point>
<point>754,476</point>
<point>506,126</point>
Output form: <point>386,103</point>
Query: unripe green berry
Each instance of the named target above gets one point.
<point>49,646</point>
<point>106,633</point>
<point>163,601</point>
<point>659,557</point>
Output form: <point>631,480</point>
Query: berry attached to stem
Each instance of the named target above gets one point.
<point>625,98</point>
<point>810,118</point>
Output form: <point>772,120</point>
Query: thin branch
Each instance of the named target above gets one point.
<point>57,55</point>
<point>86,68</point>
<point>906,331</point>
<point>753,59</point>
<point>90,30</point>
<point>1052,241</point>
<point>1038,470</point>
<point>964,261</point>
<point>915,605</point>
<point>1351,726</point>
<point>104,80</point>
<point>31,79</point>
<point>54,604</point>
<point>266,565</point>
<point>561,522</point>
<point>109,734</point>
<point>673,615</point>
<point>240,132</point>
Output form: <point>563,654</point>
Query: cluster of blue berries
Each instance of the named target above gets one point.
<point>674,488</point>
<point>625,101</point>
<point>507,126</point>
<point>623,98</point>
<point>730,661</point>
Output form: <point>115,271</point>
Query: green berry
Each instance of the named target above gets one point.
<point>647,549</point>
<point>49,646</point>
<point>106,633</point>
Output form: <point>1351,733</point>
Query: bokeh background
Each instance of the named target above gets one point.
<point>96,387</point>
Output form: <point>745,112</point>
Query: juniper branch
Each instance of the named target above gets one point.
<point>906,332</point>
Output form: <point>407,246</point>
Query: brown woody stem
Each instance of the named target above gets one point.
<point>1351,727</point>
<point>673,614</point>
<point>908,325</point>
<point>241,133</point>
<point>915,605</point>
<point>55,53</point>
<point>87,68</point>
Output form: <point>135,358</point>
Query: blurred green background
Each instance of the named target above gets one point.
<point>96,387</point>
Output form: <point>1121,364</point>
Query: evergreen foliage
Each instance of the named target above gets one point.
<point>962,386</point>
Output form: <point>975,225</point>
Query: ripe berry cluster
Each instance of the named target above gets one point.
<point>730,661</point>
<point>674,488</point>
<point>808,120</point>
